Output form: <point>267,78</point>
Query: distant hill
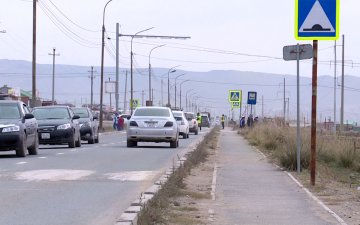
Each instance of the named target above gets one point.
<point>73,85</point>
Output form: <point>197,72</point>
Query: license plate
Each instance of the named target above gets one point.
<point>45,136</point>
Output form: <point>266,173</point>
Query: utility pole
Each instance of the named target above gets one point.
<point>262,106</point>
<point>126,75</point>
<point>92,86</point>
<point>162,92</point>
<point>34,57</point>
<point>142,98</point>
<point>53,54</point>
<point>342,85</point>
<point>117,71</point>
<point>284,104</point>
<point>335,89</point>
<point>288,108</point>
<point>110,94</point>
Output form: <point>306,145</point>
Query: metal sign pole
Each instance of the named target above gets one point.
<point>298,107</point>
<point>313,115</point>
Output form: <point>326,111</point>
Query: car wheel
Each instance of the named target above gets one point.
<point>33,149</point>
<point>92,139</point>
<point>184,136</point>
<point>72,142</point>
<point>97,138</point>
<point>187,135</point>
<point>21,150</point>
<point>130,143</point>
<point>174,144</point>
<point>78,142</point>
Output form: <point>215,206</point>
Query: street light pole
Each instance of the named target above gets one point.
<point>190,98</point>
<point>175,85</point>
<point>131,69</point>
<point>186,98</point>
<point>102,67</point>
<point>150,96</point>
<point>171,70</point>
<point>180,90</point>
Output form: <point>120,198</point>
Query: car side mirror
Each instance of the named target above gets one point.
<point>28,116</point>
<point>76,117</point>
<point>95,118</point>
<point>129,117</point>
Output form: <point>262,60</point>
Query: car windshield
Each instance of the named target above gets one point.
<point>51,113</point>
<point>152,112</point>
<point>205,118</point>
<point>82,112</point>
<point>9,111</point>
<point>177,114</point>
<point>189,116</point>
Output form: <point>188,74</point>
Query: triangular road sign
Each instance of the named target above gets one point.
<point>317,20</point>
<point>235,96</point>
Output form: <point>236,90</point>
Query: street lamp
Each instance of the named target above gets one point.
<point>180,90</point>
<point>171,70</point>
<point>131,73</point>
<point>151,97</point>
<point>188,101</point>
<point>175,85</point>
<point>102,67</point>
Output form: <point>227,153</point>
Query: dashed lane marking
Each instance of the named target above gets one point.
<point>53,175</point>
<point>42,157</point>
<point>60,153</point>
<point>131,175</point>
<point>21,163</point>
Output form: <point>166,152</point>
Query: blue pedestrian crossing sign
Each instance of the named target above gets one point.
<point>317,19</point>
<point>235,105</point>
<point>235,96</point>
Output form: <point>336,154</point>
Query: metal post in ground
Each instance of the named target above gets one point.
<point>313,114</point>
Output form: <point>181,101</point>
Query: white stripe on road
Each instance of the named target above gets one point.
<point>60,153</point>
<point>213,185</point>
<point>42,157</point>
<point>53,175</point>
<point>132,175</point>
<point>21,163</point>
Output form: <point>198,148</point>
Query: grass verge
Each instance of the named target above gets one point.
<point>158,209</point>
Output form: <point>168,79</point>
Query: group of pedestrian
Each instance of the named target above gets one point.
<point>118,122</point>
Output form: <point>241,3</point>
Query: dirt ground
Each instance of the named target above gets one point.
<point>195,205</point>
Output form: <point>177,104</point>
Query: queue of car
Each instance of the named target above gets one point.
<point>22,131</point>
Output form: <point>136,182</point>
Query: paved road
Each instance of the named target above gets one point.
<point>250,190</point>
<point>93,184</point>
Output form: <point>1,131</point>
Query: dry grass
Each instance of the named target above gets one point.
<point>280,143</point>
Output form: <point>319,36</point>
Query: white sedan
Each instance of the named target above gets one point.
<point>183,123</point>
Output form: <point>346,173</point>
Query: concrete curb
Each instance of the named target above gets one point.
<point>130,215</point>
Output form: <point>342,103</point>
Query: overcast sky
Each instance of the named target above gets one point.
<point>254,27</point>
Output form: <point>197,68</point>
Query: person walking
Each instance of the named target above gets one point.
<point>199,120</point>
<point>223,121</point>
<point>121,123</point>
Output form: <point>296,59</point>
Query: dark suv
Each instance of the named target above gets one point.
<point>58,125</point>
<point>89,125</point>
<point>18,128</point>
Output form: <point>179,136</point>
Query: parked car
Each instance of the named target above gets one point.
<point>89,125</point>
<point>205,121</point>
<point>18,128</point>
<point>182,122</point>
<point>193,124</point>
<point>58,125</point>
<point>152,124</point>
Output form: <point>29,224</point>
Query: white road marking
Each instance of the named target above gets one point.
<point>42,157</point>
<point>60,153</point>
<point>53,175</point>
<point>131,175</point>
<point>21,163</point>
<point>73,150</point>
<point>213,185</point>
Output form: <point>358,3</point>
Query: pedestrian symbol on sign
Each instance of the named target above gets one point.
<point>235,96</point>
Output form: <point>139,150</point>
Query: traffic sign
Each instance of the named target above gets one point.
<point>317,19</point>
<point>235,96</point>
<point>135,103</point>
<point>235,104</point>
<point>290,52</point>
<point>252,98</point>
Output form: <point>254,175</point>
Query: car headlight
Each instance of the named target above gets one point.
<point>14,128</point>
<point>64,126</point>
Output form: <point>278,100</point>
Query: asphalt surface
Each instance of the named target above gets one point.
<point>93,184</point>
<point>250,190</point>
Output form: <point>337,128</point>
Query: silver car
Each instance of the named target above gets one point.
<point>152,124</point>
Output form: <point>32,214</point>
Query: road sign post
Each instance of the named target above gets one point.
<point>316,20</point>
<point>298,52</point>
